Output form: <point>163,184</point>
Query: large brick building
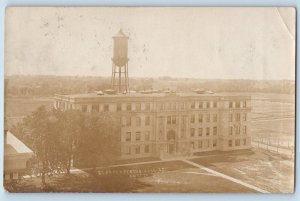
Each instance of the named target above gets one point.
<point>171,124</point>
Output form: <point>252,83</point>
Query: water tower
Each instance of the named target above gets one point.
<point>119,77</point>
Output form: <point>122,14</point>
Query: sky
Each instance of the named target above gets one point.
<point>206,43</point>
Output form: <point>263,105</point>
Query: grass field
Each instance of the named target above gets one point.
<point>273,117</point>
<point>266,170</point>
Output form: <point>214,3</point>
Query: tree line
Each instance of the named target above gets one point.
<point>49,85</point>
<point>60,138</point>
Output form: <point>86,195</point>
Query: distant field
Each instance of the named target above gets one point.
<point>17,108</point>
<point>273,116</point>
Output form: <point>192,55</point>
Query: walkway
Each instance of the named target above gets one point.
<point>225,176</point>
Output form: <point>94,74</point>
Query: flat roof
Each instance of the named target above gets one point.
<point>150,95</point>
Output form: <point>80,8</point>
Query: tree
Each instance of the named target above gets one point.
<point>70,125</point>
<point>99,139</point>
<point>41,125</point>
<point>56,137</point>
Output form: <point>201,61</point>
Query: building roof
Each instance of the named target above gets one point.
<point>150,95</point>
<point>15,146</point>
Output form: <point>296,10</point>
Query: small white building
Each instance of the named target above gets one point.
<point>16,155</point>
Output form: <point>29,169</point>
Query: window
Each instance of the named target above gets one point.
<point>230,117</point>
<point>128,107</point>
<point>192,132</point>
<point>207,131</point>
<point>244,104</point>
<point>215,117</point>
<point>193,105</point>
<point>215,104</point>
<point>182,133</point>
<point>169,120</point>
<point>84,108</point>
<point>147,136</point>
<point>173,106</point>
<point>237,116</point>
<point>200,131</point>
<point>127,150</point>
<point>95,108</point>
<point>138,121</point>
<point>168,106</point>
<point>208,118</point>
<point>244,130</point>
<point>237,142</point>
<point>106,108</point>
<point>137,150</point>
<point>201,105</point>
<point>230,104</point>
<point>147,148</point>
<point>128,121</point>
<point>119,107</point>
<point>237,130</point>
<point>214,143</point>
<point>200,144</point>
<point>183,121</point>
<point>181,105</point>
<point>173,119</point>
<point>138,107</point>
<point>207,105</point>
<point>147,121</point>
<point>193,145</point>
<point>237,104</point>
<point>138,136</point>
<point>215,130</point>
<point>147,106</point>
<point>128,137</point>
<point>230,143</point>
<point>244,142</point>
<point>193,119</point>
<point>230,130</point>
<point>245,117</point>
<point>208,144</point>
<point>200,119</point>
<point>160,106</point>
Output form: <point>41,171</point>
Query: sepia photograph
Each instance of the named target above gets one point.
<point>149,99</point>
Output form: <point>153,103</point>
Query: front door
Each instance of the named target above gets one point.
<point>171,148</point>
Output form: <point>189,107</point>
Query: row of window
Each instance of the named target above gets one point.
<point>201,131</point>
<point>137,149</point>
<point>107,107</point>
<point>147,106</point>
<point>127,121</point>
<point>201,119</point>
<point>237,142</point>
<point>237,130</point>
<point>237,104</point>
<point>203,144</point>
<point>237,117</point>
<point>137,136</point>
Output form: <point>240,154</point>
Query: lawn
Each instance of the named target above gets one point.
<point>266,170</point>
